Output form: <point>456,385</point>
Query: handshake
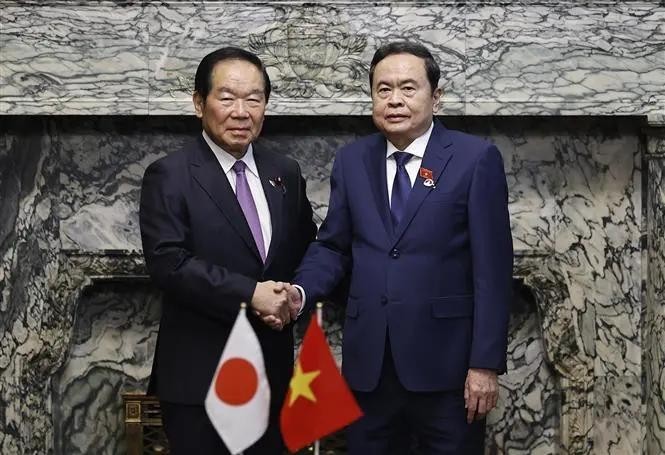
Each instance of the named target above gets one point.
<point>276,303</point>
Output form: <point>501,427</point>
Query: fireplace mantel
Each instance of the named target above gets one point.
<point>497,58</point>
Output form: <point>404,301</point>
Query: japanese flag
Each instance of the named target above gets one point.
<point>238,400</point>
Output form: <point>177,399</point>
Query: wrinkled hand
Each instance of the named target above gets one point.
<point>269,302</point>
<point>481,392</point>
<point>294,300</point>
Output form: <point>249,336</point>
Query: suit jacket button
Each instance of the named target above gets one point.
<point>384,300</point>
<point>394,253</point>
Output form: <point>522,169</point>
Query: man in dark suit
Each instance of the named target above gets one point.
<point>418,217</point>
<point>223,221</point>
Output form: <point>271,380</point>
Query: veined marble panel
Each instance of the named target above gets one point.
<point>565,59</point>
<point>31,326</point>
<point>619,415</point>
<point>526,420</point>
<point>102,166</point>
<point>111,353</point>
<point>317,55</point>
<point>73,60</point>
<point>654,324</point>
<point>598,241</point>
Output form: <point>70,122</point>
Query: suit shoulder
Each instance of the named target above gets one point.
<point>362,144</point>
<point>279,160</point>
<point>175,159</point>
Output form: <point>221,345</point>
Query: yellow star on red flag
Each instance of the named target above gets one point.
<point>300,384</point>
<point>326,405</point>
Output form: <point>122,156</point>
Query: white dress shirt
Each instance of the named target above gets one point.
<point>417,149</point>
<point>226,160</point>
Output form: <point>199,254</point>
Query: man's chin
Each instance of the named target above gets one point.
<point>239,141</point>
<point>394,128</point>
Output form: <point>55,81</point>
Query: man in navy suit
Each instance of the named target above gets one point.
<point>223,221</point>
<point>418,217</point>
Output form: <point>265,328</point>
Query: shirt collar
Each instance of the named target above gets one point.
<point>415,148</point>
<point>226,160</point>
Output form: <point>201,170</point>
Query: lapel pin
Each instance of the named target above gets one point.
<point>426,173</point>
<point>277,183</point>
<point>428,177</point>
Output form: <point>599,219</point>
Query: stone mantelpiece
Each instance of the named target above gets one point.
<point>497,58</point>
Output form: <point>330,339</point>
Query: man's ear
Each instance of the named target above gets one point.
<point>436,98</point>
<point>198,104</point>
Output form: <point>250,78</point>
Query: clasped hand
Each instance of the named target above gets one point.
<point>276,303</point>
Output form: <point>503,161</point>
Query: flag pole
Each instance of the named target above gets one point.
<point>243,309</point>
<point>319,319</point>
<point>319,314</point>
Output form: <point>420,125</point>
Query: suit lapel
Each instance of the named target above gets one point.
<point>437,155</point>
<point>375,163</point>
<point>275,197</point>
<point>210,176</point>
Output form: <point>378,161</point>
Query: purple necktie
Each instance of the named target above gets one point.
<point>248,207</point>
<point>401,187</point>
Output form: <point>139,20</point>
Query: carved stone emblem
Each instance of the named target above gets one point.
<point>183,84</point>
<point>311,53</point>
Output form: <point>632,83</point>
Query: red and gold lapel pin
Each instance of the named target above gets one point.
<point>428,177</point>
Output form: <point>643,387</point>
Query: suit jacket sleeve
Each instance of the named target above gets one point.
<point>165,232</point>
<point>328,258</point>
<point>492,258</point>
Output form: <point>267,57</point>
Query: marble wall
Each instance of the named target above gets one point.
<point>84,86</point>
<point>111,352</point>
<point>72,187</point>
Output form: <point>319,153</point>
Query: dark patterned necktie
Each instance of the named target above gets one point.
<point>401,187</point>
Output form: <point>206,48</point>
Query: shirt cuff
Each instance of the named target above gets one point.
<point>303,297</point>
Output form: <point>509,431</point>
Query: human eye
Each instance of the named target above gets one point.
<point>409,89</point>
<point>383,91</point>
<point>254,101</point>
<point>226,99</point>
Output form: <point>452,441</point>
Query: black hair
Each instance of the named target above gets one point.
<point>203,78</point>
<point>407,47</point>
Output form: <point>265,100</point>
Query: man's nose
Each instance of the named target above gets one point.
<point>395,98</point>
<point>239,109</point>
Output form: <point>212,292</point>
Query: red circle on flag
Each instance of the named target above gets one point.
<point>236,382</point>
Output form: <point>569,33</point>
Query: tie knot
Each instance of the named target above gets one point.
<point>401,158</point>
<point>239,167</point>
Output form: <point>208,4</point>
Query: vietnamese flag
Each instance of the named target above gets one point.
<point>319,401</point>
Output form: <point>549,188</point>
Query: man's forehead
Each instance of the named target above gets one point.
<point>235,68</point>
<point>235,89</point>
<point>401,65</point>
<point>244,73</point>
